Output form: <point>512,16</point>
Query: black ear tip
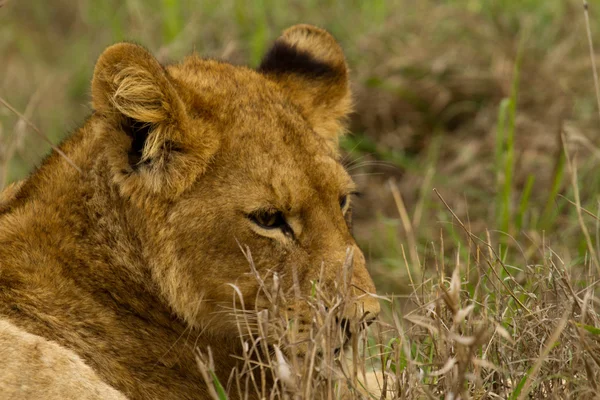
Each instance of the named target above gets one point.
<point>286,58</point>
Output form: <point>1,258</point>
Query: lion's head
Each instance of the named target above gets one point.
<point>216,158</point>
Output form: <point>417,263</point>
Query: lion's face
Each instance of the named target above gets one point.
<point>230,162</point>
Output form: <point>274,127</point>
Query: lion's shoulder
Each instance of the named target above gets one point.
<point>36,368</point>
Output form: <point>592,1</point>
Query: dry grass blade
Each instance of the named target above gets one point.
<point>39,133</point>
<point>588,212</point>
<point>586,12</point>
<point>491,249</point>
<point>406,223</point>
<point>573,169</point>
<point>550,343</point>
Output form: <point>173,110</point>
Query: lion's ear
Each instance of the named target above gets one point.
<point>132,91</point>
<point>310,65</point>
<point>129,81</point>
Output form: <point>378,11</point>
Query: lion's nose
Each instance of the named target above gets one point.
<point>349,327</point>
<point>368,318</point>
<point>345,326</point>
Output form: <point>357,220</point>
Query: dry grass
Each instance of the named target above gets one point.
<point>477,329</point>
<point>282,360</point>
<point>491,280</point>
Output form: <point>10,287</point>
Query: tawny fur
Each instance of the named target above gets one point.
<point>127,265</point>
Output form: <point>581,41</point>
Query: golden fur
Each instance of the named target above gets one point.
<point>122,263</point>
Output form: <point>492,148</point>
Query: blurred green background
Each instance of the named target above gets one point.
<point>468,97</point>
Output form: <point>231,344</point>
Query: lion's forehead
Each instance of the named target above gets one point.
<point>303,179</point>
<point>262,133</point>
<point>223,85</point>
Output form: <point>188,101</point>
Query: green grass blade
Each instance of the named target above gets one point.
<point>218,387</point>
<point>524,204</point>
<point>548,215</point>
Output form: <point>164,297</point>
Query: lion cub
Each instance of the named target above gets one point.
<point>118,262</point>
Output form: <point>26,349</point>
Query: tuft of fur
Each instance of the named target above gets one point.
<point>132,262</point>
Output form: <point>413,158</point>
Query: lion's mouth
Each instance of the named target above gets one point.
<point>346,336</point>
<point>347,332</point>
<point>338,350</point>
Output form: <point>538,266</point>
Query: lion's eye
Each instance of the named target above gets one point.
<point>343,201</point>
<point>268,219</point>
